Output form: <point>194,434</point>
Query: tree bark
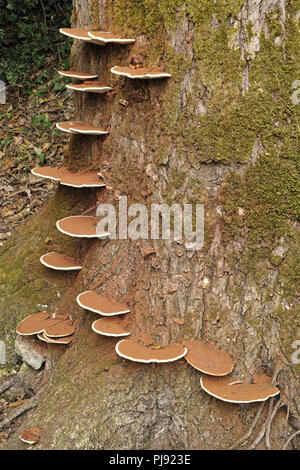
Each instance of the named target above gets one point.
<point>222,131</point>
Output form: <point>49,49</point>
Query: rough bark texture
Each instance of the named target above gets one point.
<point>222,131</point>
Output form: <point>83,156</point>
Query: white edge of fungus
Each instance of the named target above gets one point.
<point>100,236</point>
<point>148,361</point>
<point>145,76</point>
<point>34,171</point>
<point>107,334</point>
<point>97,311</point>
<point>69,131</point>
<point>72,268</point>
<point>78,77</point>
<point>236,401</point>
<point>74,36</point>
<point>103,41</point>
<point>90,88</point>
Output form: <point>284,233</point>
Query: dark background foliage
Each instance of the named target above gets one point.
<point>30,43</point>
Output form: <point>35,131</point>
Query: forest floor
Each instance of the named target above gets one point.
<point>28,138</point>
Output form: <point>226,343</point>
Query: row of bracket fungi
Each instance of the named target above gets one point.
<point>204,356</point>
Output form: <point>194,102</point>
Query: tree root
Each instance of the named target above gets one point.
<point>8,384</point>
<point>289,439</point>
<point>18,412</point>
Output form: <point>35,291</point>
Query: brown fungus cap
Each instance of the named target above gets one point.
<point>104,37</point>
<point>76,33</point>
<point>92,87</point>
<point>66,126</point>
<point>206,357</point>
<point>33,324</point>
<point>59,262</point>
<point>227,389</point>
<point>142,73</point>
<point>137,352</point>
<point>81,226</point>
<point>53,340</point>
<point>77,75</point>
<point>31,436</point>
<point>100,304</point>
<point>59,327</point>
<point>110,327</point>
<point>80,179</point>
<point>86,128</point>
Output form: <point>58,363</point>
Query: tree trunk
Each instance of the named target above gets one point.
<point>222,131</point>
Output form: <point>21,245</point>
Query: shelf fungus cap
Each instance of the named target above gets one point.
<point>33,324</point>
<point>137,352</point>
<point>110,327</point>
<point>77,75</point>
<point>206,357</point>
<point>60,262</point>
<point>100,304</point>
<point>104,37</point>
<point>52,340</point>
<point>31,436</point>
<point>66,126</point>
<point>229,390</point>
<point>80,226</point>
<point>76,33</point>
<point>48,172</point>
<point>86,128</point>
<point>82,179</point>
<point>92,87</point>
<point>142,73</point>
<point>59,327</point>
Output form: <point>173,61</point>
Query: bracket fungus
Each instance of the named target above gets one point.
<point>110,327</point>
<point>80,179</point>
<point>78,127</point>
<point>206,357</point>
<point>100,304</point>
<point>77,75</point>
<point>52,325</point>
<point>31,436</point>
<point>103,37</point>
<point>56,340</point>
<point>60,262</point>
<point>141,73</point>
<point>80,226</point>
<point>76,33</point>
<point>226,389</point>
<point>92,87</point>
<point>137,352</point>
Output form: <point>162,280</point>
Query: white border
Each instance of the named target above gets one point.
<point>235,401</point>
<point>90,88</point>
<point>103,41</point>
<point>97,311</point>
<point>78,77</point>
<point>73,268</point>
<point>102,236</point>
<point>87,132</point>
<point>158,361</point>
<point>69,131</point>
<point>107,334</point>
<point>145,76</point>
<point>43,176</point>
<point>73,35</point>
